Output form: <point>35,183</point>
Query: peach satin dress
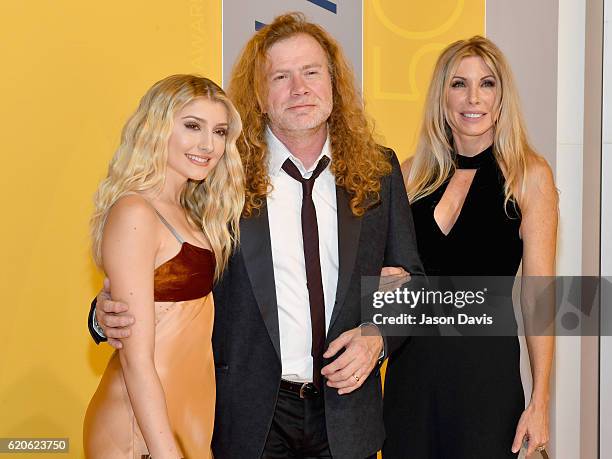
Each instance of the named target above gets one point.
<point>184,315</point>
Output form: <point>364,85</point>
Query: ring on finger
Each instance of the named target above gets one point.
<point>540,448</point>
<point>356,377</point>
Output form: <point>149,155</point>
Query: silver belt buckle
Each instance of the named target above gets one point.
<point>302,389</point>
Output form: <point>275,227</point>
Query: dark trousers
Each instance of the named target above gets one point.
<point>298,429</point>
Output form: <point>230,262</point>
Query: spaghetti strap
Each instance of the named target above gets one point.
<point>169,226</point>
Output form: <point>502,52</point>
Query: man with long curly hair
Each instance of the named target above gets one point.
<point>298,100</point>
<point>325,205</point>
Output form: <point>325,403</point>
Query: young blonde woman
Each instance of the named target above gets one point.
<point>165,223</point>
<point>483,202</point>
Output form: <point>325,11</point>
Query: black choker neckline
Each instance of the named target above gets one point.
<point>476,161</point>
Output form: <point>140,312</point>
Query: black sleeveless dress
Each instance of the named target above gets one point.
<point>460,397</point>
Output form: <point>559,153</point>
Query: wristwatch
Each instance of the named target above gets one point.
<point>96,331</point>
<point>97,326</point>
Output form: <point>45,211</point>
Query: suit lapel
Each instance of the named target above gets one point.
<point>349,229</point>
<point>257,253</point>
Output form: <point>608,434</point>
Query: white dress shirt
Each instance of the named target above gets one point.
<point>284,204</point>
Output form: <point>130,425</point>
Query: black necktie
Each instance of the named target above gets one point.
<point>310,236</point>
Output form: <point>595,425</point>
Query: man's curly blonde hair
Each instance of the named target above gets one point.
<point>358,163</point>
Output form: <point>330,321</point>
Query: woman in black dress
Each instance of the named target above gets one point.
<point>482,201</point>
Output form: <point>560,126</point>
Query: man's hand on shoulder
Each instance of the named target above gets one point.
<point>113,317</point>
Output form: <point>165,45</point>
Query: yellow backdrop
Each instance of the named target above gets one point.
<point>72,73</point>
<point>402,40</point>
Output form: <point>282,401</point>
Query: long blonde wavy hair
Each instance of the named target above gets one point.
<point>139,164</point>
<point>433,162</point>
<point>358,163</point>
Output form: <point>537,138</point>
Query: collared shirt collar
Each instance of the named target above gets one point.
<point>278,154</point>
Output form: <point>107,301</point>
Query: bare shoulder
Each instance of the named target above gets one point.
<point>539,182</point>
<point>131,214</point>
<point>406,166</point>
<point>539,177</point>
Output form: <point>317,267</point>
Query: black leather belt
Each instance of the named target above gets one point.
<point>303,390</point>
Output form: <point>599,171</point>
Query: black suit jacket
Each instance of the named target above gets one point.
<point>246,335</point>
<point>246,340</point>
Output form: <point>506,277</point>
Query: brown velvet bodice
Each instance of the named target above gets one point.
<point>186,276</point>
